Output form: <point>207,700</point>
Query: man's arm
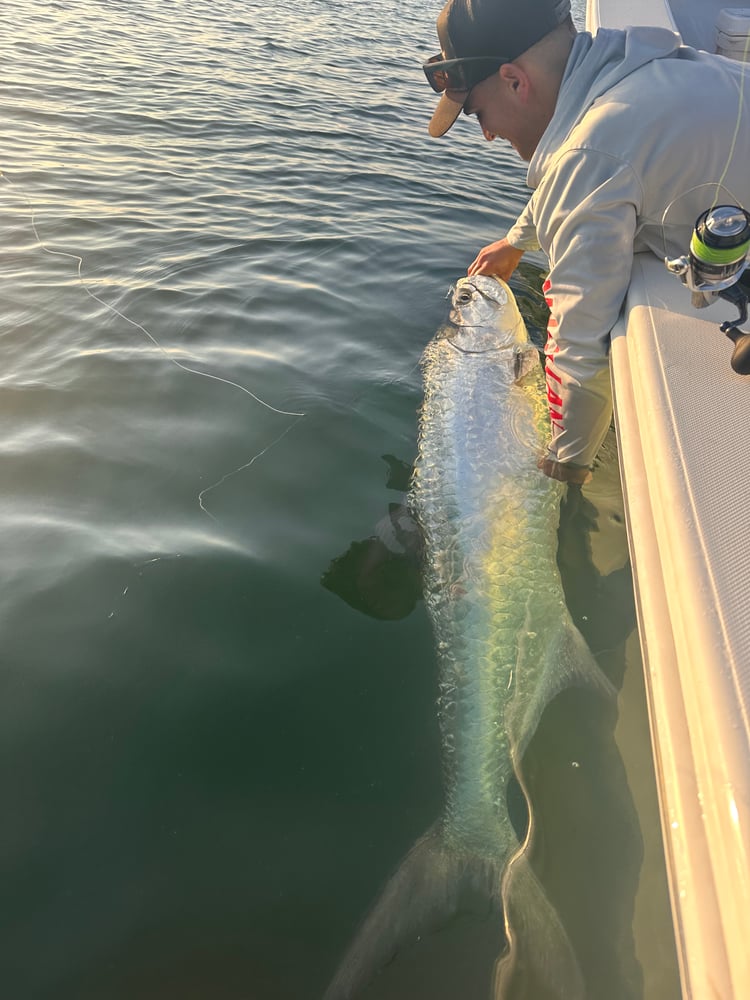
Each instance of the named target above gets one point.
<point>586,212</point>
<point>501,258</point>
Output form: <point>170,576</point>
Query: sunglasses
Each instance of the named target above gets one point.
<point>460,74</point>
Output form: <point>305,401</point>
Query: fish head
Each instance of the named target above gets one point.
<point>484,316</point>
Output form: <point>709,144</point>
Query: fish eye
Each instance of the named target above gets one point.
<point>464,296</point>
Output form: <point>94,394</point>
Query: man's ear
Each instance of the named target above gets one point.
<point>516,79</point>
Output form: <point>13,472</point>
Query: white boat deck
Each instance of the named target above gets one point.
<point>682,418</point>
<point>694,19</point>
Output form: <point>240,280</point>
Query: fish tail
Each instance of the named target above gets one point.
<point>539,961</point>
<point>430,887</point>
<point>422,895</point>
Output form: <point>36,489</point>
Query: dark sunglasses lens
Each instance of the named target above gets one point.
<point>460,74</point>
<point>442,79</point>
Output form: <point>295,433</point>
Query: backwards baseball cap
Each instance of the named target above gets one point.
<point>476,38</point>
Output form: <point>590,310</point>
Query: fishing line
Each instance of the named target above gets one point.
<point>298,415</point>
<point>732,148</point>
<point>740,104</point>
<point>691,190</point>
<point>242,468</point>
<point>132,322</point>
<point>178,364</point>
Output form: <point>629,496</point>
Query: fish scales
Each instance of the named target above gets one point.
<point>505,644</point>
<point>490,519</point>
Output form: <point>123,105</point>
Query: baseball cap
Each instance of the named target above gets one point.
<point>499,30</point>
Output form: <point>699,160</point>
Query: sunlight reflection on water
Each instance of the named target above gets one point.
<point>212,760</point>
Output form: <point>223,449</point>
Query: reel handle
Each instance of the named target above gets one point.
<point>740,360</point>
<point>738,296</point>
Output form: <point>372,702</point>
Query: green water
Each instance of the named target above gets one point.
<point>209,760</point>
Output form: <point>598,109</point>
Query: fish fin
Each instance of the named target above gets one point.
<point>526,360</point>
<point>568,663</point>
<point>400,531</point>
<point>422,895</point>
<point>399,473</point>
<point>539,961</point>
<point>578,663</point>
<point>430,887</point>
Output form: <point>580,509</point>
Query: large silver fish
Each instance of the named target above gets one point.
<point>505,642</point>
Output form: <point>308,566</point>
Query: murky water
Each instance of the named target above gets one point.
<point>210,761</point>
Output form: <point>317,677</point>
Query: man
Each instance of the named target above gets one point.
<point>629,136</point>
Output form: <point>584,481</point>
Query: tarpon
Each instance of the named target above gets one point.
<point>505,641</point>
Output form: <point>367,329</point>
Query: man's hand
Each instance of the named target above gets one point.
<point>499,258</point>
<point>565,472</point>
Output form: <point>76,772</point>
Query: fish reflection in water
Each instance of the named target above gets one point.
<point>381,575</point>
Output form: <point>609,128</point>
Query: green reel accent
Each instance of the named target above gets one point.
<point>714,255</point>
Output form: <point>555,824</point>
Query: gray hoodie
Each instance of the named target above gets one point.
<point>646,134</point>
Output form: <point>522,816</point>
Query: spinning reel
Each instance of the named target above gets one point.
<point>714,268</point>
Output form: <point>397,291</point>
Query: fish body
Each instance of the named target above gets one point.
<point>491,582</point>
<point>504,638</point>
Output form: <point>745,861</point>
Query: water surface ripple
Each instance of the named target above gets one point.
<point>210,761</point>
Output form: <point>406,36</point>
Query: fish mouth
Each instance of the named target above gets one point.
<point>489,349</point>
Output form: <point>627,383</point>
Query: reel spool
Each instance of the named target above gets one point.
<point>713,267</point>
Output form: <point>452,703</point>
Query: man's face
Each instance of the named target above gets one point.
<point>500,107</point>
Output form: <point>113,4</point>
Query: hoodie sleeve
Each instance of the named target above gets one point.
<point>522,234</point>
<point>585,212</point>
